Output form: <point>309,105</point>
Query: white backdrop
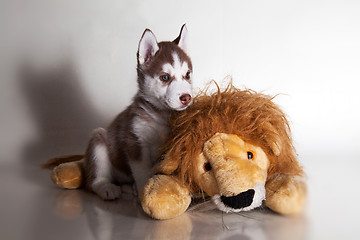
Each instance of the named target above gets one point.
<point>67,65</point>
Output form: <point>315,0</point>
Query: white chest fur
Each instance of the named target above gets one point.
<point>151,133</point>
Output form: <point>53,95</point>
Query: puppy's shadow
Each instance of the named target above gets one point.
<point>62,112</point>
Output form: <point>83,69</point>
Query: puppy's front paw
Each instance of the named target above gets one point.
<point>128,191</point>
<point>107,191</point>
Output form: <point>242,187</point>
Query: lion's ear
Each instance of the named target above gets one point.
<point>167,165</point>
<point>276,147</point>
<point>273,139</point>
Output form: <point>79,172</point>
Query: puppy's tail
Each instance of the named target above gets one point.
<point>67,172</point>
<point>54,162</point>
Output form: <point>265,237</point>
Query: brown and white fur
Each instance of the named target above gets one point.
<point>126,151</point>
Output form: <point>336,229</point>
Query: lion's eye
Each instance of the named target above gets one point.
<point>250,155</point>
<point>165,77</point>
<point>207,167</point>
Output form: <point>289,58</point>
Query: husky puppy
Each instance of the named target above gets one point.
<point>125,152</point>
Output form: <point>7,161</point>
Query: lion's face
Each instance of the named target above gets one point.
<point>232,172</point>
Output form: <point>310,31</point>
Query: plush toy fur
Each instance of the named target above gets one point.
<point>219,130</point>
<point>67,172</point>
<point>232,145</point>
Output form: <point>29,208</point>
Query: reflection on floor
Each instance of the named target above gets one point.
<point>32,208</point>
<point>124,219</point>
<point>38,210</point>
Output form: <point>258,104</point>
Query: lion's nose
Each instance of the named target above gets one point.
<point>241,200</point>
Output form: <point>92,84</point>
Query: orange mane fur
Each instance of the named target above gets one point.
<point>250,115</point>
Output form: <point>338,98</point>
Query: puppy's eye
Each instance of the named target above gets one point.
<point>207,167</point>
<point>250,155</point>
<point>188,75</point>
<point>165,77</point>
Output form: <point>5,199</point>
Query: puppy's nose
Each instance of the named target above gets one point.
<point>241,200</point>
<point>185,99</point>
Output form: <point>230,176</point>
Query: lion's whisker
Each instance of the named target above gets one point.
<point>223,222</point>
<point>248,216</point>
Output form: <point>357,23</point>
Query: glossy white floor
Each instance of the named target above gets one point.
<point>32,208</point>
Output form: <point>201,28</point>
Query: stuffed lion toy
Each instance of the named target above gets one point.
<point>233,145</point>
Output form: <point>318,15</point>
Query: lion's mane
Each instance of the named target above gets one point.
<point>250,115</point>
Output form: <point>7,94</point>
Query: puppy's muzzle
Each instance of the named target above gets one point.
<point>239,201</point>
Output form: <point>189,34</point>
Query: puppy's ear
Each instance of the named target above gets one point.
<point>182,39</point>
<point>148,47</point>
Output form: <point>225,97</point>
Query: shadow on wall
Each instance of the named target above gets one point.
<point>63,116</point>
